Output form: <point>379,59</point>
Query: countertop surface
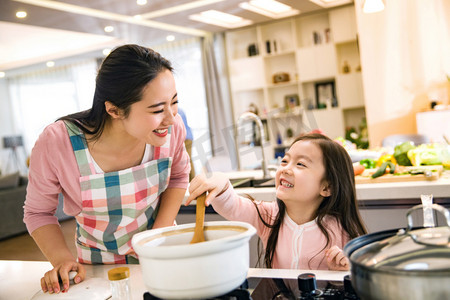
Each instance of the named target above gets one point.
<point>20,280</point>
<point>370,191</point>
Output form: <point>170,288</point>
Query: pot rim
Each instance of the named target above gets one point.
<point>412,273</point>
<point>372,239</point>
<point>190,250</point>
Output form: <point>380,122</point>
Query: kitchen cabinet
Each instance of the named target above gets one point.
<point>343,22</point>
<point>301,53</point>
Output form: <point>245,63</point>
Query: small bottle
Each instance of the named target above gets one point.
<point>119,279</point>
<point>346,68</point>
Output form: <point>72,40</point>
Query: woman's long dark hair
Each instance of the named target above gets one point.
<point>341,204</point>
<point>120,80</point>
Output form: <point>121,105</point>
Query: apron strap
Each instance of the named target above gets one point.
<point>80,149</point>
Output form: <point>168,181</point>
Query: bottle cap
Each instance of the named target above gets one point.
<point>119,273</point>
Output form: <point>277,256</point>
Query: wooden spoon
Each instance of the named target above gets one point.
<point>199,220</point>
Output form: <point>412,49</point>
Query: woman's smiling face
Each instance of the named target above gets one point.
<point>150,118</point>
<point>300,177</point>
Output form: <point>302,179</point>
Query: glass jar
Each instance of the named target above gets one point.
<point>119,279</point>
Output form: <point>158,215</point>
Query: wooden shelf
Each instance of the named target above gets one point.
<point>311,49</point>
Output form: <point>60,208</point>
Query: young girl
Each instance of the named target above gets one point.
<point>315,213</point>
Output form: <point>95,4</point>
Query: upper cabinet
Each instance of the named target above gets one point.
<point>343,22</point>
<point>299,74</point>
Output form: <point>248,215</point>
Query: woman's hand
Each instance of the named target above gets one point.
<point>336,259</point>
<point>50,282</point>
<point>214,183</point>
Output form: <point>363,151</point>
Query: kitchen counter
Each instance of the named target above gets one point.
<point>373,191</point>
<point>20,280</point>
<point>382,206</point>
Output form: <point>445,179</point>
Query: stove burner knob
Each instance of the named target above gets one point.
<point>348,288</point>
<point>307,282</point>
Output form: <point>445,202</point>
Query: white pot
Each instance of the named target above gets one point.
<point>175,269</point>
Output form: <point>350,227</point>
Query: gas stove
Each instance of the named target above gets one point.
<point>305,287</point>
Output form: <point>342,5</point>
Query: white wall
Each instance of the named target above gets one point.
<point>6,121</point>
<point>405,58</point>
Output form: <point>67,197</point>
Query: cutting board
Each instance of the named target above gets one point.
<point>365,177</point>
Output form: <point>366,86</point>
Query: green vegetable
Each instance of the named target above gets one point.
<point>426,154</point>
<point>382,169</point>
<point>368,163</point>
<point>401,153</point>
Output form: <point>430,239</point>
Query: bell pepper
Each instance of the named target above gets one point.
<point>368,163</point>
<point>385,158</point>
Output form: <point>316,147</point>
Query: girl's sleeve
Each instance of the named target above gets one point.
<point>233,207</point>
<point>179,176</point>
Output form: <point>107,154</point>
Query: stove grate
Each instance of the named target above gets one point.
<point>241,293</point>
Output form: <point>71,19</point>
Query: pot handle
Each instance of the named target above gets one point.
<point>437,207</point>
<point>426,239</point>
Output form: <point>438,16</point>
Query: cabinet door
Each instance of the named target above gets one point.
<point>325,58</point>
<point>242,79</point>
<point>331,121</point>
<point>350,90</point>
<point>317,63</point>
<point>306,64</point>
<point>343,24</point>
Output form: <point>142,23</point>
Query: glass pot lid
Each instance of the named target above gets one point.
<point>422,250</point>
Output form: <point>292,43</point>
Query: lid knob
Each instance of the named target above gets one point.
<point>119,273</point>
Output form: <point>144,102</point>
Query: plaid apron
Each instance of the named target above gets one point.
<point>116,205</point>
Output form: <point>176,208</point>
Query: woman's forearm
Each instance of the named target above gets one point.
<point>168,208</point>
<point>50,240</point>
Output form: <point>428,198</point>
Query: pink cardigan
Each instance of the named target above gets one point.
<point>297,245</point>
<point>54,169</point>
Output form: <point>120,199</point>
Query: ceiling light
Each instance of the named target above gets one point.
<point>2,74</point>
<point>106,51</point>
<point>50,64</point>
<point>330,3</point>
<point>21,14</point>
<point>373,6</point>
<point>86,11</point>
<point>109,29</point>
<point>170,38</point>
<point>178,8</point>
<point>221,19</point>
<point>269,8</point>
<point>138,17</point>
<point>141,2</point>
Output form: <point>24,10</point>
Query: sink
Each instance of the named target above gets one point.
<point>252,182</point>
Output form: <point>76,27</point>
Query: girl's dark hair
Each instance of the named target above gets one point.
<point>121,80</point>
<point>341,204</point>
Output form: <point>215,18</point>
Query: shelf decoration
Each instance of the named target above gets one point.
<point>290,102</point>
<point>252,50</point>
<point>325,95</point>
<point>281,77</point>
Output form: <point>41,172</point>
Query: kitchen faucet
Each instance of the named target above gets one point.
<point>259,124</point>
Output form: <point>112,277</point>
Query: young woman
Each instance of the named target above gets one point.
<point>121,166</point>
<point>315,213</point>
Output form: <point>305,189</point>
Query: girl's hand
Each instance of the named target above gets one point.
<point>214,183</point>
<point>50,281</point>
<point>336,259</point>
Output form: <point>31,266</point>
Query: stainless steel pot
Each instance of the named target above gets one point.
<point>402,264</point>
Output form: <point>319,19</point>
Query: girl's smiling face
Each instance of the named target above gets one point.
<point>300,177</point>
<point>150,118</point>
